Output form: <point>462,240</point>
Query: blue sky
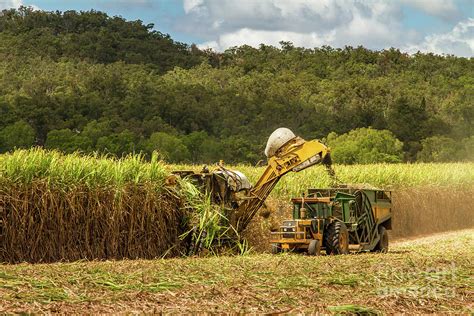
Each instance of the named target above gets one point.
<point>439,26</point>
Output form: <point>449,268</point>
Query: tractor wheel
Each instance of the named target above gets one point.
<point>314,248</point>
<point>276,248</point>
<point>336,239</point>
<point>382,245</point>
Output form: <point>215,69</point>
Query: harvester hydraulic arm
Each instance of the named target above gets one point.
<point>295,155</point>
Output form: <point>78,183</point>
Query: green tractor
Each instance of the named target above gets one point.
<point>337,220</point>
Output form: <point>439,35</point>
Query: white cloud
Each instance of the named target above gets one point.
<point>445,9</point>
<point>8,4</point>
<point>375,24</point>
<point>459,41</point>
<point>211,44</point>
<point>192,5</point>
<point>295,15</point>
<point>254,38</point>
<point>307,23</point>
<point>14,4</point>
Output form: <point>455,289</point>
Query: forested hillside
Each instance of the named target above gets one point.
<point>89,82</point>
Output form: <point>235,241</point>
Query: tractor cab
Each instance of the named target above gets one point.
<point>310,214</point>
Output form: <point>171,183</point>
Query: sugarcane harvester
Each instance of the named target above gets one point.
<point>230,189</point>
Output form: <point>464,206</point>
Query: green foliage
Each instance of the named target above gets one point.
<point>114,83</point>
<point>205,219</point>
<point>67,141</point>
<point>95,130</point>
<point>445,149</point>
<point>438,149</point>
<point>18,135</point>
<point>236,149</point>
<point>92,36</point>
<point>467,152</point>
<point>202,147</point>
<point>386,176</point>
<point>170,147</point>
<point>68,171</point>
<point>365,146</point>
<point>118,144</point>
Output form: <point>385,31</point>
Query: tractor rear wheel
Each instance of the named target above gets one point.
<point>336,239</point>
<point>276,248</point>
<point>382,245</point>
<point>314,247</point>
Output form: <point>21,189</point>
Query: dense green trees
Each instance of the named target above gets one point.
<point>67,141</point>
<point>442,149</point>
<point>169,146</point>
<point>92,36</point>
<point>17,135</point>
<point>88,82</point>
<point>365,145</point>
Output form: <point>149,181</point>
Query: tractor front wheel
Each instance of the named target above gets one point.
<point>336,239</point>
<point>382,245</point>
<point>314,247</point>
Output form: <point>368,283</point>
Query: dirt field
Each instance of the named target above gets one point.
<point>429,274</point>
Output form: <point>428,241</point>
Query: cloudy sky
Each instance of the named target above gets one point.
<point>439,26</point>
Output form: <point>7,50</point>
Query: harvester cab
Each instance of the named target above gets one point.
<point>336,220</point>
<point>224,186</point>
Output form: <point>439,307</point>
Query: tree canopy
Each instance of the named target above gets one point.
<point>89,82</point>
<point>365,145</point>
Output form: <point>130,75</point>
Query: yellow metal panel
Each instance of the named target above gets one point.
<point>304,222</point>
<point>325,199</point>
<point>380,212</point>
<point>296,155</point>
<point>289,242</point>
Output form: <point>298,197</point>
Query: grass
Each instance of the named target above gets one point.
<point>386,176</point>
<point>25,166</point>
<point>67,207</point>
<point>433,274</point>
<point>66,171</point>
